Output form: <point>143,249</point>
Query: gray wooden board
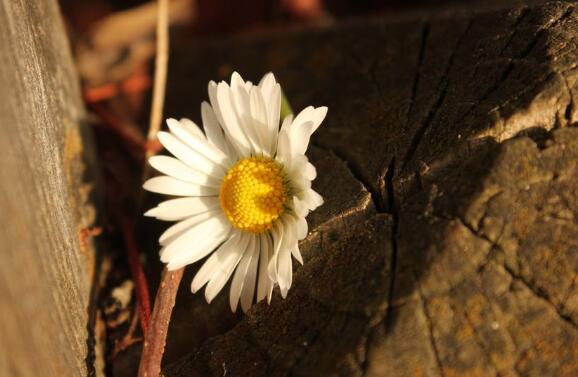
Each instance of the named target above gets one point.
<point>45,272</point>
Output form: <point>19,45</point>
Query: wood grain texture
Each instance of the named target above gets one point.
<point>46,272</point>
<point>447,244</point>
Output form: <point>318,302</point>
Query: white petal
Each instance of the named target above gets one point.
<point>242,110</point>
<point>212,128</point>
<point>274,111</point>
<point>284,269</point>
<point>193,242</point>
<point>284,150</point>
<point>241,272</point>
<point>178,209</point>
<point>312,199</point>
<point>267,84</point>
<point>300,207</point>
<point>212,89</point>
<point>277,235</point>
<point>259,115</point>
<point>287,122</point>
<point>297,254</point>
<point>301,168</point>
<point>264,281</point>
<point>190,157</point>
<point>172,186</point>
<point>192,128</point>
<point>176,168</point>
<point>306,115</point>
<point>249,286</point>
<point>310,172</point>
<point>270,293</point>
<point>230,123</point>
<point>227,265</point>
<point>300,136</point>
<point>213,264</point>
<point>191,256</point>
<point>197,143</point>
<point>182,226</point>
<point>318,116</point>
<point>302,228</point>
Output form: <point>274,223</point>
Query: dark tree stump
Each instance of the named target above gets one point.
<point>448,242</point>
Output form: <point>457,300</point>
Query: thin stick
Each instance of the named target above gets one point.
<point>155,339</point>
<point>154,345</point>
<point>161,63</point>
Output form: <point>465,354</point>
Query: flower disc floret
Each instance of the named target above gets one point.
<point>253,194</point>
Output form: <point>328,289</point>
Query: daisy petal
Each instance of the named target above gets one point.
<point>300,136</point>
<point>182,226</point>
<point>190,257</point>
<point>306,115</point>
<point>302,169</point>
<point>266,85</point>
<point>192,128</point>
<point>318,116</point>
<point>230,122</point>
<point>248,291</point>
<point>259,115</point>
<point>313,199</point>
<point>277,234</point>
<point>284,150</point>
<point>213,129</point>
<point>287,122</point>
<point>284,269</point>
<point>241,273</point>
<point>227,265</point>
<point>175,168</point>
<point>242,108</point>
<point>302,228</point>
<point>297,254</point>
<point>193,242</point>
<point>178,209</point>
<point>212,265</point>
<point>190,157</point>
<point>264,281</point>
<point>172,186</point>
<point>197,143</point>
<point>274,110</point>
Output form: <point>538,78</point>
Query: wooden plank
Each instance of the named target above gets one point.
<point>45,273</point>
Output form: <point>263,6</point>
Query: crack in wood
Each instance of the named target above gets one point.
<point>515,25</point>
<point>430,327</point>
<point>541,295</point>
<point>357,175</point>
<point>394,247</point>
<point>418,135</point>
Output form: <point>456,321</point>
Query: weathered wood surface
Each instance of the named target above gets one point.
<point>45,273</point>
<point>448,242</point>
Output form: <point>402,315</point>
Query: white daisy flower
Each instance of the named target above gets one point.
<point>246,190</point>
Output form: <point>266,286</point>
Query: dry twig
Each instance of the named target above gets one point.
<point>154,345</point>
<point>155,340</point>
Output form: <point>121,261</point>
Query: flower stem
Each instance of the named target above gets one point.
<point>155,340</point>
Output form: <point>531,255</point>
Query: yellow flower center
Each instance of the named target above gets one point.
<point>253,194</point>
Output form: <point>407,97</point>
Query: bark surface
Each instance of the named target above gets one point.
<point>448,242</point>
